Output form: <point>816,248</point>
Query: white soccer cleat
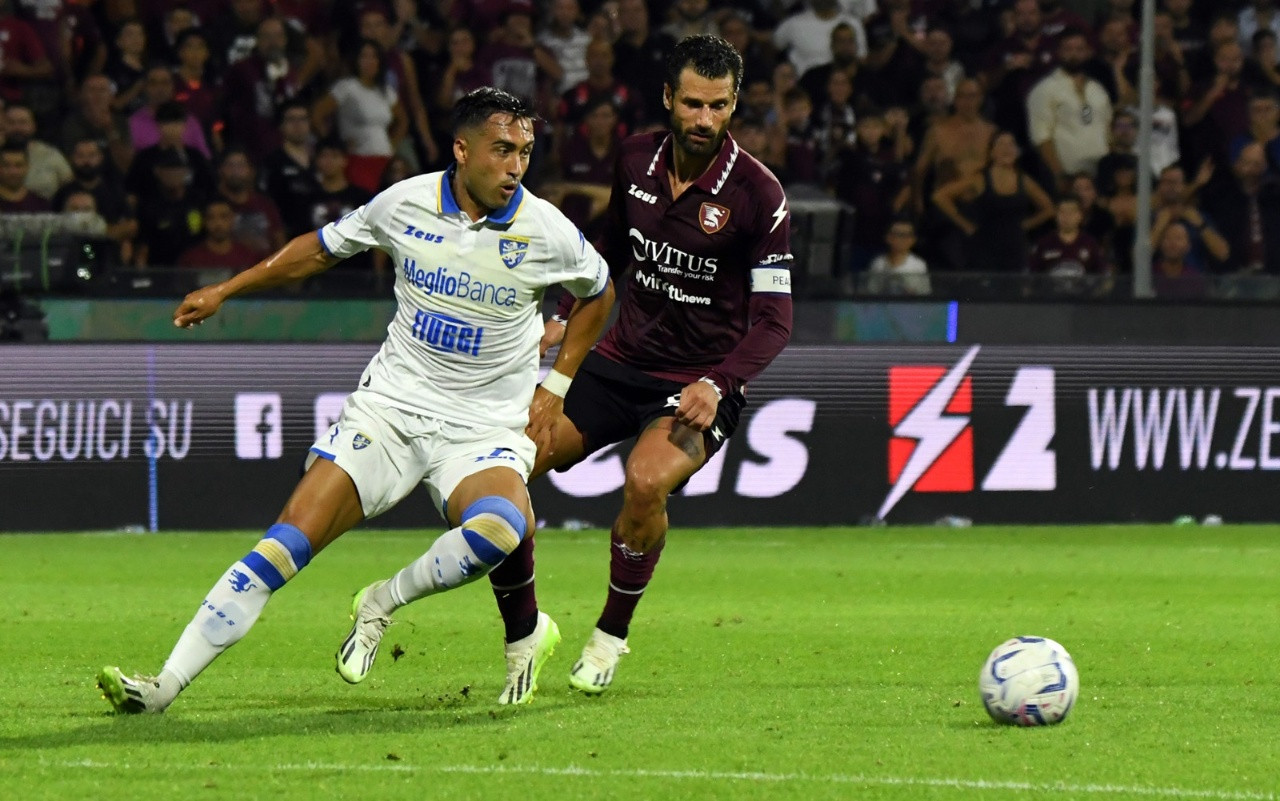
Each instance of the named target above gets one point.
<point>356,654</point>
<point>594,671</point>
<point>129,695</point>
<point>525,658</point>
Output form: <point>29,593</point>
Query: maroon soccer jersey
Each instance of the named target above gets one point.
<point>1081,256</point>
<point>700,271</point>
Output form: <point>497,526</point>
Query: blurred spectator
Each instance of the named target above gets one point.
<point>1056,18</point>
<point>258,225</point>
<point>873,179</point>
<point>310,27</point>
<point>1222,29</point>
<point>87,163</point>
<point>397,170</point>
<point>600,85</point>
<point>462,73</point>
<point>1260,66</point>
<point>898,271</point>
<point>370,120</point>
<point>1172,204</point>
<point>1095,218</point>
<point>1069,114</point>
<point>834,120</point>
<point>751,135</point>
<point>955,148</point>
<point>931,106</point>
<point>1165,146</point>
<point>85,48</point>
<point>1124,137</point>
<point>513,57</point>
<point>1016,63</point>
<point>1004,204</point>
<point>567,41</point>
<point>334,197</point>
<point>894,65</point>
<point>1170,62</point>
<point>236,34</point>
<point>1222,105</point>
<point>1175,273</point>
<point>217,248</point>
<point>288,176</point>
<point>806,35</point>
<point>94,116</point>
<point>1122,204</point>
<point>690,18</point>
<point>757,59</point>
<point>127,64</point>
<point>47,168</point>
<point>586,167</point>
<point>938,61</point>
<point>1188,30</point>
<point>168,219</point>
<point>171,122</point>
<point>1259,16</point>
<point>1111,65</point>
<point>1068,254</point>
<point>23,60</point>
<point>1264,129</point>
<point>144,124</point>
<point>256,86</point>
<point>640,55</point>
<point>176,20</point>
<point>194,87</point>
<point>402,78</point>
<point>1247,206</point>
<point>801,151</point>
<point>15,197</point>
<point>844,58</point>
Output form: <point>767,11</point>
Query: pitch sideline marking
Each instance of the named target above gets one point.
<point>641,773</point>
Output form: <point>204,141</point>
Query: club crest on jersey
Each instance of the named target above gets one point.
<point>513,249</point>
<point>360,442</point>
<point>712,217</point>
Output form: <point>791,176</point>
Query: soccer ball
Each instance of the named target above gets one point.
<point>1030,681</point>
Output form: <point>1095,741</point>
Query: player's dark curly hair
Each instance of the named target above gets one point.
<point>475,107</point>
<point>709,56</point>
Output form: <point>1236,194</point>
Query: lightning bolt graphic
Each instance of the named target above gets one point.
<point>932,430</point>
<point>779,215</point>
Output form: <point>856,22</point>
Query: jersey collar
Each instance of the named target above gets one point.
<point>448,205</point>
<point>711,181</point>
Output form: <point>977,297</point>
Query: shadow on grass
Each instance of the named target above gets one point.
<point>201,723</point>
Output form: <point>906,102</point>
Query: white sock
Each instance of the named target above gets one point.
<point>225,615</point>
<point>459,556</point>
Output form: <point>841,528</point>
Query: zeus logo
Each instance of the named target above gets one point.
<point>932,445</point>
<point>663,253</point>
<point>640,194</point>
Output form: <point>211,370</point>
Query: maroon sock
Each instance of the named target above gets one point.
<point>513,587</point>
<point>629,574</point>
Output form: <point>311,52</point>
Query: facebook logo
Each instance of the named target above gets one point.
<point>327,409</point>
<point>258,426</point>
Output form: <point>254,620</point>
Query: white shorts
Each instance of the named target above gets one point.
<point>388,451</point>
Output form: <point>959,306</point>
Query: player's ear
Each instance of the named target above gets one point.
<point>666,96</point>
<point>460,150</point>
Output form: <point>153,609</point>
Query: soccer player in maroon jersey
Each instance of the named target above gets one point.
<point>698,232</point>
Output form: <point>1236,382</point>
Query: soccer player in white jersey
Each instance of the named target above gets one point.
<point>449,401</point>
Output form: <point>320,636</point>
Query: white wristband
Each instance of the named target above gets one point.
<point>556,383</point>
<point>706,380</point>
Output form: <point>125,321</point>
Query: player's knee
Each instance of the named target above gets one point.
<point>644,491</point>
<point>493,526</point>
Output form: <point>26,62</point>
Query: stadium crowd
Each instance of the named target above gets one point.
<point>990,136</point>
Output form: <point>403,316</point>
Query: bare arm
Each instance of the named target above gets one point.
<point>1044,205</point>
<point>1049,152</point>
<point>399,124</point>
<point>322,113</point>
<point>301,257</point>
<point>946,197</point>
<point>585,323</point>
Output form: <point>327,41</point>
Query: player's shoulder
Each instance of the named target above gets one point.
<point>638,151</point>
<point>753,184</point>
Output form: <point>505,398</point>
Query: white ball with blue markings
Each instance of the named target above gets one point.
<point>1029,681</point>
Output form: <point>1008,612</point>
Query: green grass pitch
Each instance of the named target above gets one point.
<point>766,664</point>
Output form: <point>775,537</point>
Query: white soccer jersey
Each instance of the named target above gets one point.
<point>463,345</point>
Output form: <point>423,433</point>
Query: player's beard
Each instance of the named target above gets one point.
<point>699,148</point>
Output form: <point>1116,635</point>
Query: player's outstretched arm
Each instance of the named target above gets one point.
<point>585,324</point>
<point>299,258</point>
